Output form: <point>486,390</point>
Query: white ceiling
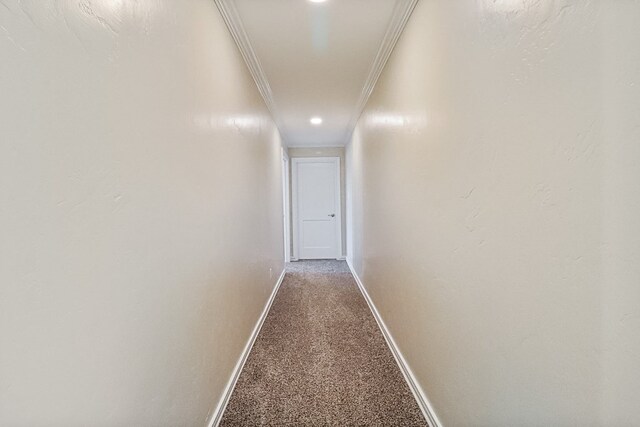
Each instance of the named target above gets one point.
<point>316,59</point>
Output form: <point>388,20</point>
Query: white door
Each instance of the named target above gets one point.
<point>316,208</point>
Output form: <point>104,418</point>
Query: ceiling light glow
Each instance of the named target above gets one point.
<point>316,121</point>
<point>317,1</point>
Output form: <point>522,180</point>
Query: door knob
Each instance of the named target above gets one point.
<point>332,215</point>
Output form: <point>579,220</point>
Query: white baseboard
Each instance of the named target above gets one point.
<point>342,258</point>
<point>222,405</point>
<point>418,393</point>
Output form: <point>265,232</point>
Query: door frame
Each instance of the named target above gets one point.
<point>295,161</point>
<point>286,207</point>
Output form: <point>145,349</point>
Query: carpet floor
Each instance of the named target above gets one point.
<point>321,360</point>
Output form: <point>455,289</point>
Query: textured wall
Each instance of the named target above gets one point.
<point>140,211</point>
<point>621,214</point>
<point>493,190</point>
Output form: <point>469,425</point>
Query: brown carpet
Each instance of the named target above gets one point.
<point>320,359</point>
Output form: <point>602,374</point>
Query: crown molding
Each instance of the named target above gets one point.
<point>232,19</point>
<point>401,13</point>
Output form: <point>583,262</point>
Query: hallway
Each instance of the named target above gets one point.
<point>321,360</point>
<point>388,212</point>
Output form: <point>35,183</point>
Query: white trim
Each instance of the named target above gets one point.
<point>315,146</point>
<point>216,417</point>
<point>236,28</point>
<point>414,385</point>
<point>286,204</point>
<point>333,145</point>
<point>294,208</point>
<point>401,13</point>
<point>294,201</point>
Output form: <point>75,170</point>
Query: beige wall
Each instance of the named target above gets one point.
<point>323,152</point>
<point>494,202</point>
<point>140,212</point>
<point>620,284</point>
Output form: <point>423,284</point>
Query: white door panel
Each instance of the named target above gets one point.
<point>316,194</point>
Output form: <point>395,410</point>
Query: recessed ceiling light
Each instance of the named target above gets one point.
<point>317,1</point>
<point>316,120</point>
